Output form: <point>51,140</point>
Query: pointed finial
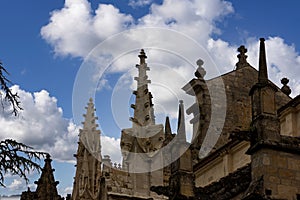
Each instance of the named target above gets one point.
<point>200,73</point>
<point>285,88</point>
<point>142,57</point>
<point>181,134</point>
<point>242,58</point>
<point>263,70</point>
<point>168,130</point>
<point>48,158</point>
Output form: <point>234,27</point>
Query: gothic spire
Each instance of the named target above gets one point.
<point>89,135</point>
<point>89,118</point>
<point>263,71</point>
<point>168,130</point>
<point>181,134</point>
<point>143,107</point>
<point>46,185</point>
<point>88,167</point>
<point>142,79</point>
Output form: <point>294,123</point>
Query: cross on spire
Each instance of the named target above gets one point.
<point>242,50</point>
<point>242,57</point>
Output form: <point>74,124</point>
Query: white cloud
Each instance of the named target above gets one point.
<point>194,19</point>
<point>139,3</point>
<point>40,124</point>
<point>75,31</point>
<point>65,191</point>
<point>67,26</point>
<point>222,54</point>
<point>108,21</point>
<point>17,184</point>
<point>282,59</point>
<point>111,147</point>
<point>103,84</point>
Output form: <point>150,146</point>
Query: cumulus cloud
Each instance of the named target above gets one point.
<point>139,3</point>
<point>41,125</point>
<point>67,26</point>
<point>192,19</point>
<point>75,31</point>
<point>108,21</point>
<point>223,54</point>
<point>65,191</point>
<point>17,184</point>
<point>111,147</point>
<point>282,59</point>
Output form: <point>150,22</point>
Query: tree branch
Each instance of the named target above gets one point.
<point>18,159</point>
<point>12,98</point>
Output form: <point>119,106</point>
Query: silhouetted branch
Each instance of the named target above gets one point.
<point>10,97</point>
<point>15,158</point>
<point>18,159</point>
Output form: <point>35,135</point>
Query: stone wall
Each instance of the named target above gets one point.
<point>290,122</point>
<point>210,173</point>
<point>280,171</point>
<point>227,162</point>
<point>239,156</point>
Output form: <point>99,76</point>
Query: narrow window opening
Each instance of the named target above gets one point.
<point>268,192</point>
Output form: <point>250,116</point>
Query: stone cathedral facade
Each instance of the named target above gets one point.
<point>256,155</point>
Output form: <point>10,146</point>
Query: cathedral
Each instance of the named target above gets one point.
<point>256,153</point>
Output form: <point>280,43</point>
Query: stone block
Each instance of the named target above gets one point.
<point>274,179</point>
<point>287,192</point>
<point>266,160</point>
<point>293,164</point>
<point>281,162</point>
<point>297,175</point>
<point>295,182</point>
<point>272,170</point>
<point>286,174</point>
<point>284,181</point>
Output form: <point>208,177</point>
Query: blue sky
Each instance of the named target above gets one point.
<point>43,48</point>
